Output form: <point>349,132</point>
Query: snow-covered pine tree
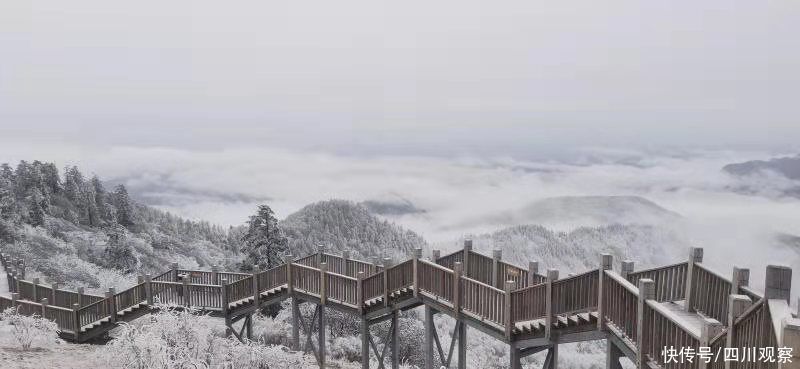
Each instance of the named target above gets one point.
<point>264,243</point>
<point>125,213</point>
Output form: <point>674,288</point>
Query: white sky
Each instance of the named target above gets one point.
<point>526,78</point>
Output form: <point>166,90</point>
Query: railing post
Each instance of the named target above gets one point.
<point>647,291</point>
<point>14,298</point>
<point>76,319</point>
<point>387,263</point>
<point>346,263</point>
<point>710,329</point>
<point>320,254</point>
<point>360,291</point>
<point>148,288</point>
<point>467,250</point>
<point>185,287</point>
<point>215,275</point>
<point>695,256</point>
<point>626,268</point>
<point>435,255</point>
<point>323,283</point>
<point>256,292</point>
<point>778,282</point>
<point>35,289</point>
<point>223,298</point>
<point>457,270</point>
<point>289,285</point>
<point>80,296</point>
<point>740,278</point>
<point>174,267</point>
<point>737,305</point>
<point>415,267</point>
<point>44,303</point>
<point>533,269</point>
<point>53,289</point>
<point>606,263</point>
<point>112,304</point>
<point>552,276</point>
<point>509,286</point>
<point>497,255</point>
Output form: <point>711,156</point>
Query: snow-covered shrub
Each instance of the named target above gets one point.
<point>27,330</point>
<point>183,339</point>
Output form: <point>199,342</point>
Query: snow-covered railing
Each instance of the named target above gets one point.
<point>710,292</point>
<point>670,280</point>
<point>576,293</point>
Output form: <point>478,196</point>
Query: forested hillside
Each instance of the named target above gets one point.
<point>72,230</point>
<point>344,225</point>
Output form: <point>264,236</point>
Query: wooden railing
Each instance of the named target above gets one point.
<point>576,294</point>
<point>663,331</point>
<point>272,278</point>
<point>529,303</point>
<point>435,280</point>
<point>449,261</point>
<point>342,288</point>
<point>372,287</point>
<point>93,312</point>
<point>198,276</point>
<point>670,281</point>
<point>479,268</point>
<point>167,276</point>
<point>400,276</point>
<point>620,300</point>
<point>232,276</point>
<point>130,297</point>
<point>63,317</point>
<point>309,261</point>
<point>167,292</point>
<point>306,278</point>
<point>754,329</point>
<point>240,289</point>
<point>204,295</point>
<point>483,300</point>
<point>710,292</point>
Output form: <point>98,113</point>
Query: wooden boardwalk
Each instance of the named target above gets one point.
<point>640,313</point>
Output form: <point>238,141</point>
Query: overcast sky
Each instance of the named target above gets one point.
<point>523,78</point>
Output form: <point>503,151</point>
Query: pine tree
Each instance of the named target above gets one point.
<point>125,213</point>
<point>36,208</point>
<point>264,243</point>
<point>73,181</point>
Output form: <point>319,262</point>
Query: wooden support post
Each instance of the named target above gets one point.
<point>790,337</point>
<point>295,324</point>
<point>323,283</point>
<point>457,270</point>
<point>606,263</point>
<point>497,256</point>
<point>53,289</point>
<point>44,303</point>
<point>533,270</point>
<point>223,298</point>
<point>778,283</point>
<point>215,275</point>
<point>320,254</point>
<point>551,361</point>
<point>737,305</point>
<point>14,299</point>
<point>112,304</point>
<point>627,268</point>
<point>148,289</point>
<point>509,309</point>
<point>256,290</point>
<point>35,289</point>
<point>613,354</point>
<point>552,276</point>
<point>710,329</point>
<point>695,256</point>
<point>435,255</point>
<point>415,267</point>
<point>364,343</point>
<point>185,288</point>
<point>467,250</point>
<point>76,319</point>
<point>462,345</point>
<point>515,356</point>
<point>360,291</point>
<point>647,291</point>
<point>740,278</point>
<point>396,339</point>
<point>289,283</point>
<point>321,335</point>
<point>174,267</point>
<point>429,332</point>
<point>387,263</point>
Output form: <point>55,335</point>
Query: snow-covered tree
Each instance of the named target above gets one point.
<point>264,243</point>
<point>30,330</point>
<point>126,215</point>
